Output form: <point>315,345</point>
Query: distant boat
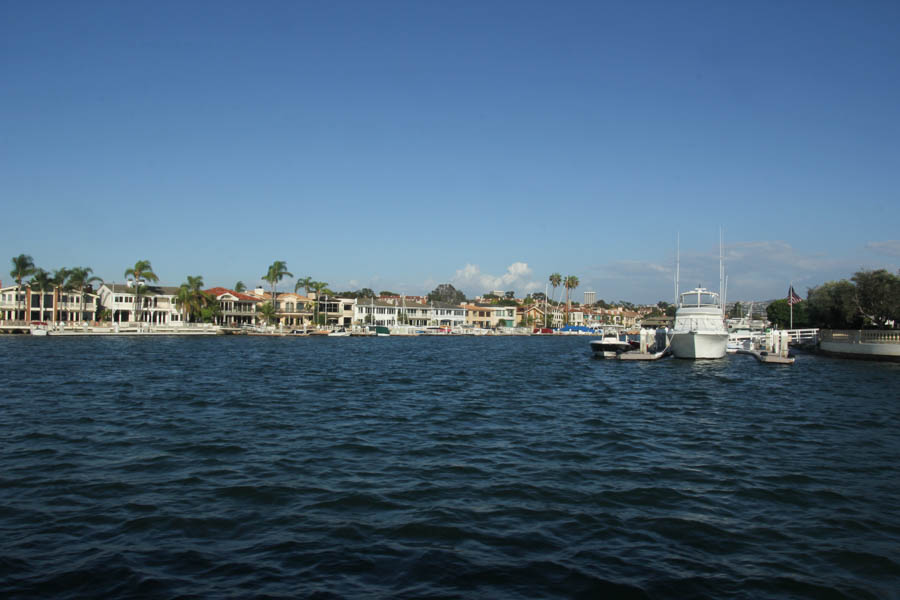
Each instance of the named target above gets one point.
<point>379,330</point>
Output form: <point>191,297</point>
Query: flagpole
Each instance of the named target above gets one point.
<point>791,303</point>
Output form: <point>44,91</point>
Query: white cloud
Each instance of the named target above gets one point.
<point>517,278</point>
<point>887,247</point>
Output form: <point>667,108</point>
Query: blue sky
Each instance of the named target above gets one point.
<point>399,145</point>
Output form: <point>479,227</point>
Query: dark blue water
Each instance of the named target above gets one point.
<point>440,468</point>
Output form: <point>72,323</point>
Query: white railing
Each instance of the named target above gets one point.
<point>861,336</point>
<point>803,336</point>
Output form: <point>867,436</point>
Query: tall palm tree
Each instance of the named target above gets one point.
<point>23,266</point>
<point>183,301</point>
<point>60,280</point>
<point>277,272</point>
<point>80,278</point>
<point>239,287</point>
<point>142,270</point>
<point>571,283</point>
<point>320,288</point>
<point>305,283</point>
<point>41,280</point>
<point>555,280</point>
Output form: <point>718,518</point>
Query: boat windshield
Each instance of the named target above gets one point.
<point>699,297</point>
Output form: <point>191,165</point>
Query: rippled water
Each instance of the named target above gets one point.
<point>440,467</point>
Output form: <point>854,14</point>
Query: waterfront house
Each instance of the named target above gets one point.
<point>56,305</point>
<point>337,312</point>
<point>292,309</point>
<point>157,303</point>
<point>236,308</point>
<point>367,311</point>
<point>490,316</point>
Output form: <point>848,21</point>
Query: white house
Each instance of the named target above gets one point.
<point>157,303</point>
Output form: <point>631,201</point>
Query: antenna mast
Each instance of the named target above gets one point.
<point>677,264</point>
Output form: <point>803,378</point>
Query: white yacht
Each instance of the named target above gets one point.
<point>699,330</point>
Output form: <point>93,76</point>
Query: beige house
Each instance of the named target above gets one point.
<point>490,316</point>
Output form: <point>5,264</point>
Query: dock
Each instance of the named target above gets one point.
<point>769,359</point>
<point>642,355</point>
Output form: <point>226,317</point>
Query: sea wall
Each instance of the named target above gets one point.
<point>868,344</point>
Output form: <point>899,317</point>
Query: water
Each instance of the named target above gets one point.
<point>440,468</point>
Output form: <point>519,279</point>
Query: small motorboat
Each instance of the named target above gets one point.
<point>609,346</point>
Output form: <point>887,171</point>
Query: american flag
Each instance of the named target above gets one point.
<point>793,298</point>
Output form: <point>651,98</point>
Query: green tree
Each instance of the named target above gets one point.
<point>191,298</point>
<point>737,311</point>
<point>387,293</point>
<point>210,312</point>
<point>79,279</point>
<point>833,305</point>
<point>305,283</point>
<point>277,271</point>
<point>779,313</point>
<point>267,311</point>
<point>23,266</point>
<point>141,271</point>
<point>366,293</point>
<point>183,300</point>
<point>239,287</point>
<point>878,296</point>
<point>446,293</point>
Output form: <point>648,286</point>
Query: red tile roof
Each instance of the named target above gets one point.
<point>218,291</point>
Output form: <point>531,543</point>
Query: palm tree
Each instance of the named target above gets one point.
<point>23,266</point>
<point>267,312</point>
<point>240,287</point>
<point>142,270</point>
<point>60,283</point>
<point>183,301</point>
<point>305,283</point>
<point>555,280</point>
<point>190,297</point>
<point>319,287</point>
<point>41,280</point>
<point>571,283</point>
<point>277,272</point>
<point>79,278</point>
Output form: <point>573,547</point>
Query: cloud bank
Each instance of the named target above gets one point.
<point>473,281</point>
<point>887,247</point>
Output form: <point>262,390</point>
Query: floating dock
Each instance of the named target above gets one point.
<point>770,359</point>
<point>642,355</point>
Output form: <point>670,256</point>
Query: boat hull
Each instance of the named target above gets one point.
<point>611,349</point>
<point>699,345</point>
